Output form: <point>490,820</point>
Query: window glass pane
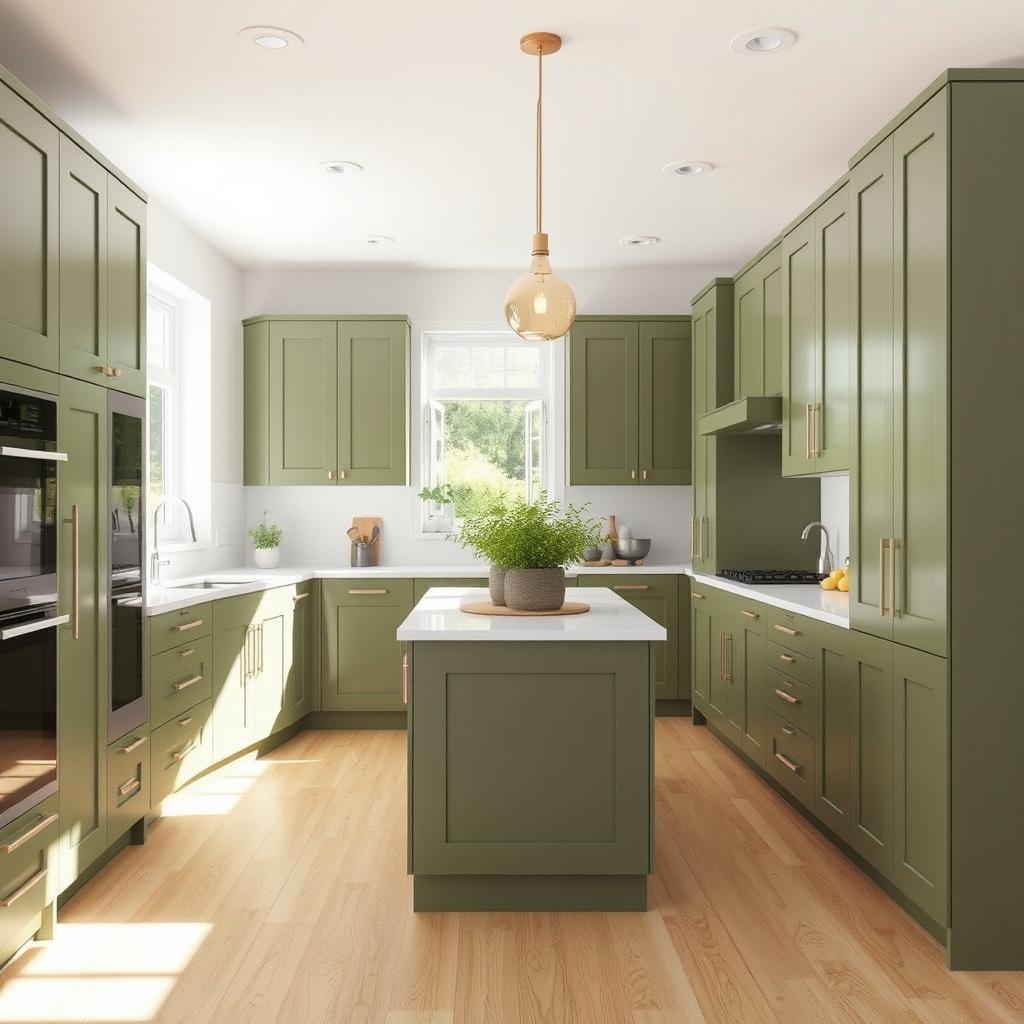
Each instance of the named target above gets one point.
<point>451,366</point>
<point>523,366</point>
<point>158,336</point>
<point>488,366</point>
<point>485,451</point>
<point>159,431</point>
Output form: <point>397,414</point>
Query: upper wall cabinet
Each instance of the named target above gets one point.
<point>29,147</point>
<point>326,401</point>
<point>757,316</point>
<point>629,401</point>
<point>816,341</point>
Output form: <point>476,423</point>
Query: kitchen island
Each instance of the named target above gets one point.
<point>530,757</point>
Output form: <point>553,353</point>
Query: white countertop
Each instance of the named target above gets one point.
<point>438,616</point>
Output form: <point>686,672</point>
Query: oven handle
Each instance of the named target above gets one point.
<point>33,453</point>
<point>33,627</point>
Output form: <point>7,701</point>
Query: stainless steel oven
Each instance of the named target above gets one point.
<point>128,706</point>
<point>28,599</point>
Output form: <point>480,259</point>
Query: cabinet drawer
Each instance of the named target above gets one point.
<point>180,750</point>
<point>796,632</point>
<point>127,782</point>
<point>792,700</point>
<point>178,627</point>
<point>791,758</point>
<point>180,679</point>
<point>368,593</point>
<point>791,663</point>
<point>27,875</point>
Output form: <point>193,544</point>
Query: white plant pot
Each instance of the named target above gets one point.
<point>440,519</point>
<point>266,558</point>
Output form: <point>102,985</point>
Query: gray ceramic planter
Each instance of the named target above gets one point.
<point>535,590</point>
<point>496,585</point>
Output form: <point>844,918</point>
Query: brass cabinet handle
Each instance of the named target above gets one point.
<point>721,657</point>
<point>342,473</point>
<point>632,474</point>
<point>109,371</point>
<point>184,721</point>
<point>787,697</point>
<point>76,576</point>
<point>182,754</point>
<point>789,730</point>
<point>134,745</point>
<point>700,597</point>
<point>367,593</point>
<point>791,765</point>
<point>330,474</point>
<point>30,833</point>
<point>632,586</point>
<point>693,537</point>
<point>817,430</point>
<point>22,889</point>
<point>643,474</point>
<point>749,615</point>
<point>894,547</point>
<point>129,787</point>
<point>405,677</point>
<point>186,626</point>
<point>186,683</point>
<point>807,432</point>
<point>703,552</point>
<point>883,544</point>
<point>787,658</point>
<point>728,654</point>
<point>299,597</point>
<point>786,630</point>
<point>187,653</point>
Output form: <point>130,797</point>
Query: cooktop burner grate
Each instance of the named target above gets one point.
<point>804,576</point>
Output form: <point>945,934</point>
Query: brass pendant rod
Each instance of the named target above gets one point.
<point>540,96</point>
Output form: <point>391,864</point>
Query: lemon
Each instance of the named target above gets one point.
<point>830,583</point>
<point>844,585</point>
<point>836,574</point>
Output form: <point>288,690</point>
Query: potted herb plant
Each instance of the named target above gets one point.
<point>440,502</point>
<point>530,545</point>
<point>266,540</point>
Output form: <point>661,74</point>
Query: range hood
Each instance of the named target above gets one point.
<point>759,414</point>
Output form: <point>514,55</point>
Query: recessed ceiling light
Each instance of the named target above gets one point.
<point>376,240</point>
<point>762,41</point>
<point>632,241</point>
<point>340,167</point>
<point>689,168</point>
<point>270,37</point>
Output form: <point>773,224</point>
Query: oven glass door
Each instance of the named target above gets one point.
<point>28,716</point>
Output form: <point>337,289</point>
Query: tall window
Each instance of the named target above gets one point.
<point>163,350</point>
<point>487,397</point>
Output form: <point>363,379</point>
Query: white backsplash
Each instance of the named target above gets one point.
<point>835,513</point>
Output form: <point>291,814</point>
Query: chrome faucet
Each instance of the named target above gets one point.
<point>825,557</point>
<point>154,559</point>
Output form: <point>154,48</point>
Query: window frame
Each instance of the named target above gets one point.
<point>545,393</point>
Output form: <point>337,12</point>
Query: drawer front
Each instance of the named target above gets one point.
<point>795,632</point>
<point>28,873</point>
<point>791,758</point>
<point>362,593</point>
<point>172,629</point>
<point>179,679</point>
<point>180,750</point>
<point>791,663</point>
<point>792,700</point>
<point>127,782</point>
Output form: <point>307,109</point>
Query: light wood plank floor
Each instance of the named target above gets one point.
<point>275,890</point>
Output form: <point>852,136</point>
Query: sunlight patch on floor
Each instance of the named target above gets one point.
<point>100,972</point>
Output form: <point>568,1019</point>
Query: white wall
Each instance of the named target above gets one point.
<point>835,514</point>
<point>180,252</point>
<point>315,518</point>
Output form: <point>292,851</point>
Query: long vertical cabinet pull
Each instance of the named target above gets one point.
<point>693,538</point>
<point>894,554</point>
<point>807,432</point>
<point>883,545</point>
<point>703,553</point>
<point>817,430</point>
<point>76,574</point>
<point>728,657</point>
<point>405,676</point>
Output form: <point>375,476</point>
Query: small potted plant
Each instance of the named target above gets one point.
<point>529,545</point>
<point>440,502</point>
<point>266,541</point>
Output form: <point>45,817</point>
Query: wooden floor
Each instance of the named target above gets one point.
<point>275,890</point>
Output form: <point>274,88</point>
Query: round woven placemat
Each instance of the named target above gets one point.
<point>486,608</point>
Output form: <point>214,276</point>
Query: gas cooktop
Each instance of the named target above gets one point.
<point>804,576</point>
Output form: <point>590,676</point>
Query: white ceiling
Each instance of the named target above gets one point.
<point>436,100</point>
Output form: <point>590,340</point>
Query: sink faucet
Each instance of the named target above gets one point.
<point>154,559</point>
<point>825,557</point>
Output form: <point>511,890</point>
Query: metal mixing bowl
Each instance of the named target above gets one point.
<point>632,549</point>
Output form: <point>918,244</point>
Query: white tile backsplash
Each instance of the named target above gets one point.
<point>835,513</point>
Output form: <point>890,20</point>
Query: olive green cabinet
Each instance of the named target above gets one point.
<point>326,401</point>
<point>629,416</point>
<point>747,671</point>
<point>422,585</point>
<point>757,321</point>
<point>816,335</point>
<point>128,792</point>
<point>301,654</point>
<point>712,384</point>
<point>899,202</point>
<point>361,660</point>
<point>833,781</point>
<point>702,601</point>
<point>82,644</point>
<point>29,222</point>
<point>234,664</point>
<point>658,598</point>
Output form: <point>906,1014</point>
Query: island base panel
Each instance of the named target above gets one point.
<point>529,892</point>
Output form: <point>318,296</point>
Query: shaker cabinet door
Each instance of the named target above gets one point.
<point>800,349</point>
<point>126,289</point>
<point>665,415</point>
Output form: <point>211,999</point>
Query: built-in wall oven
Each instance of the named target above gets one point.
<point>128,698</point>
<point>28,599</point>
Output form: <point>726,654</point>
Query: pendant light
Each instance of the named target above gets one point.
<point>540,306</point>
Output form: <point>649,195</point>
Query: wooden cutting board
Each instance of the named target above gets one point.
<point>486,608</point>
<point>364,525</point>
